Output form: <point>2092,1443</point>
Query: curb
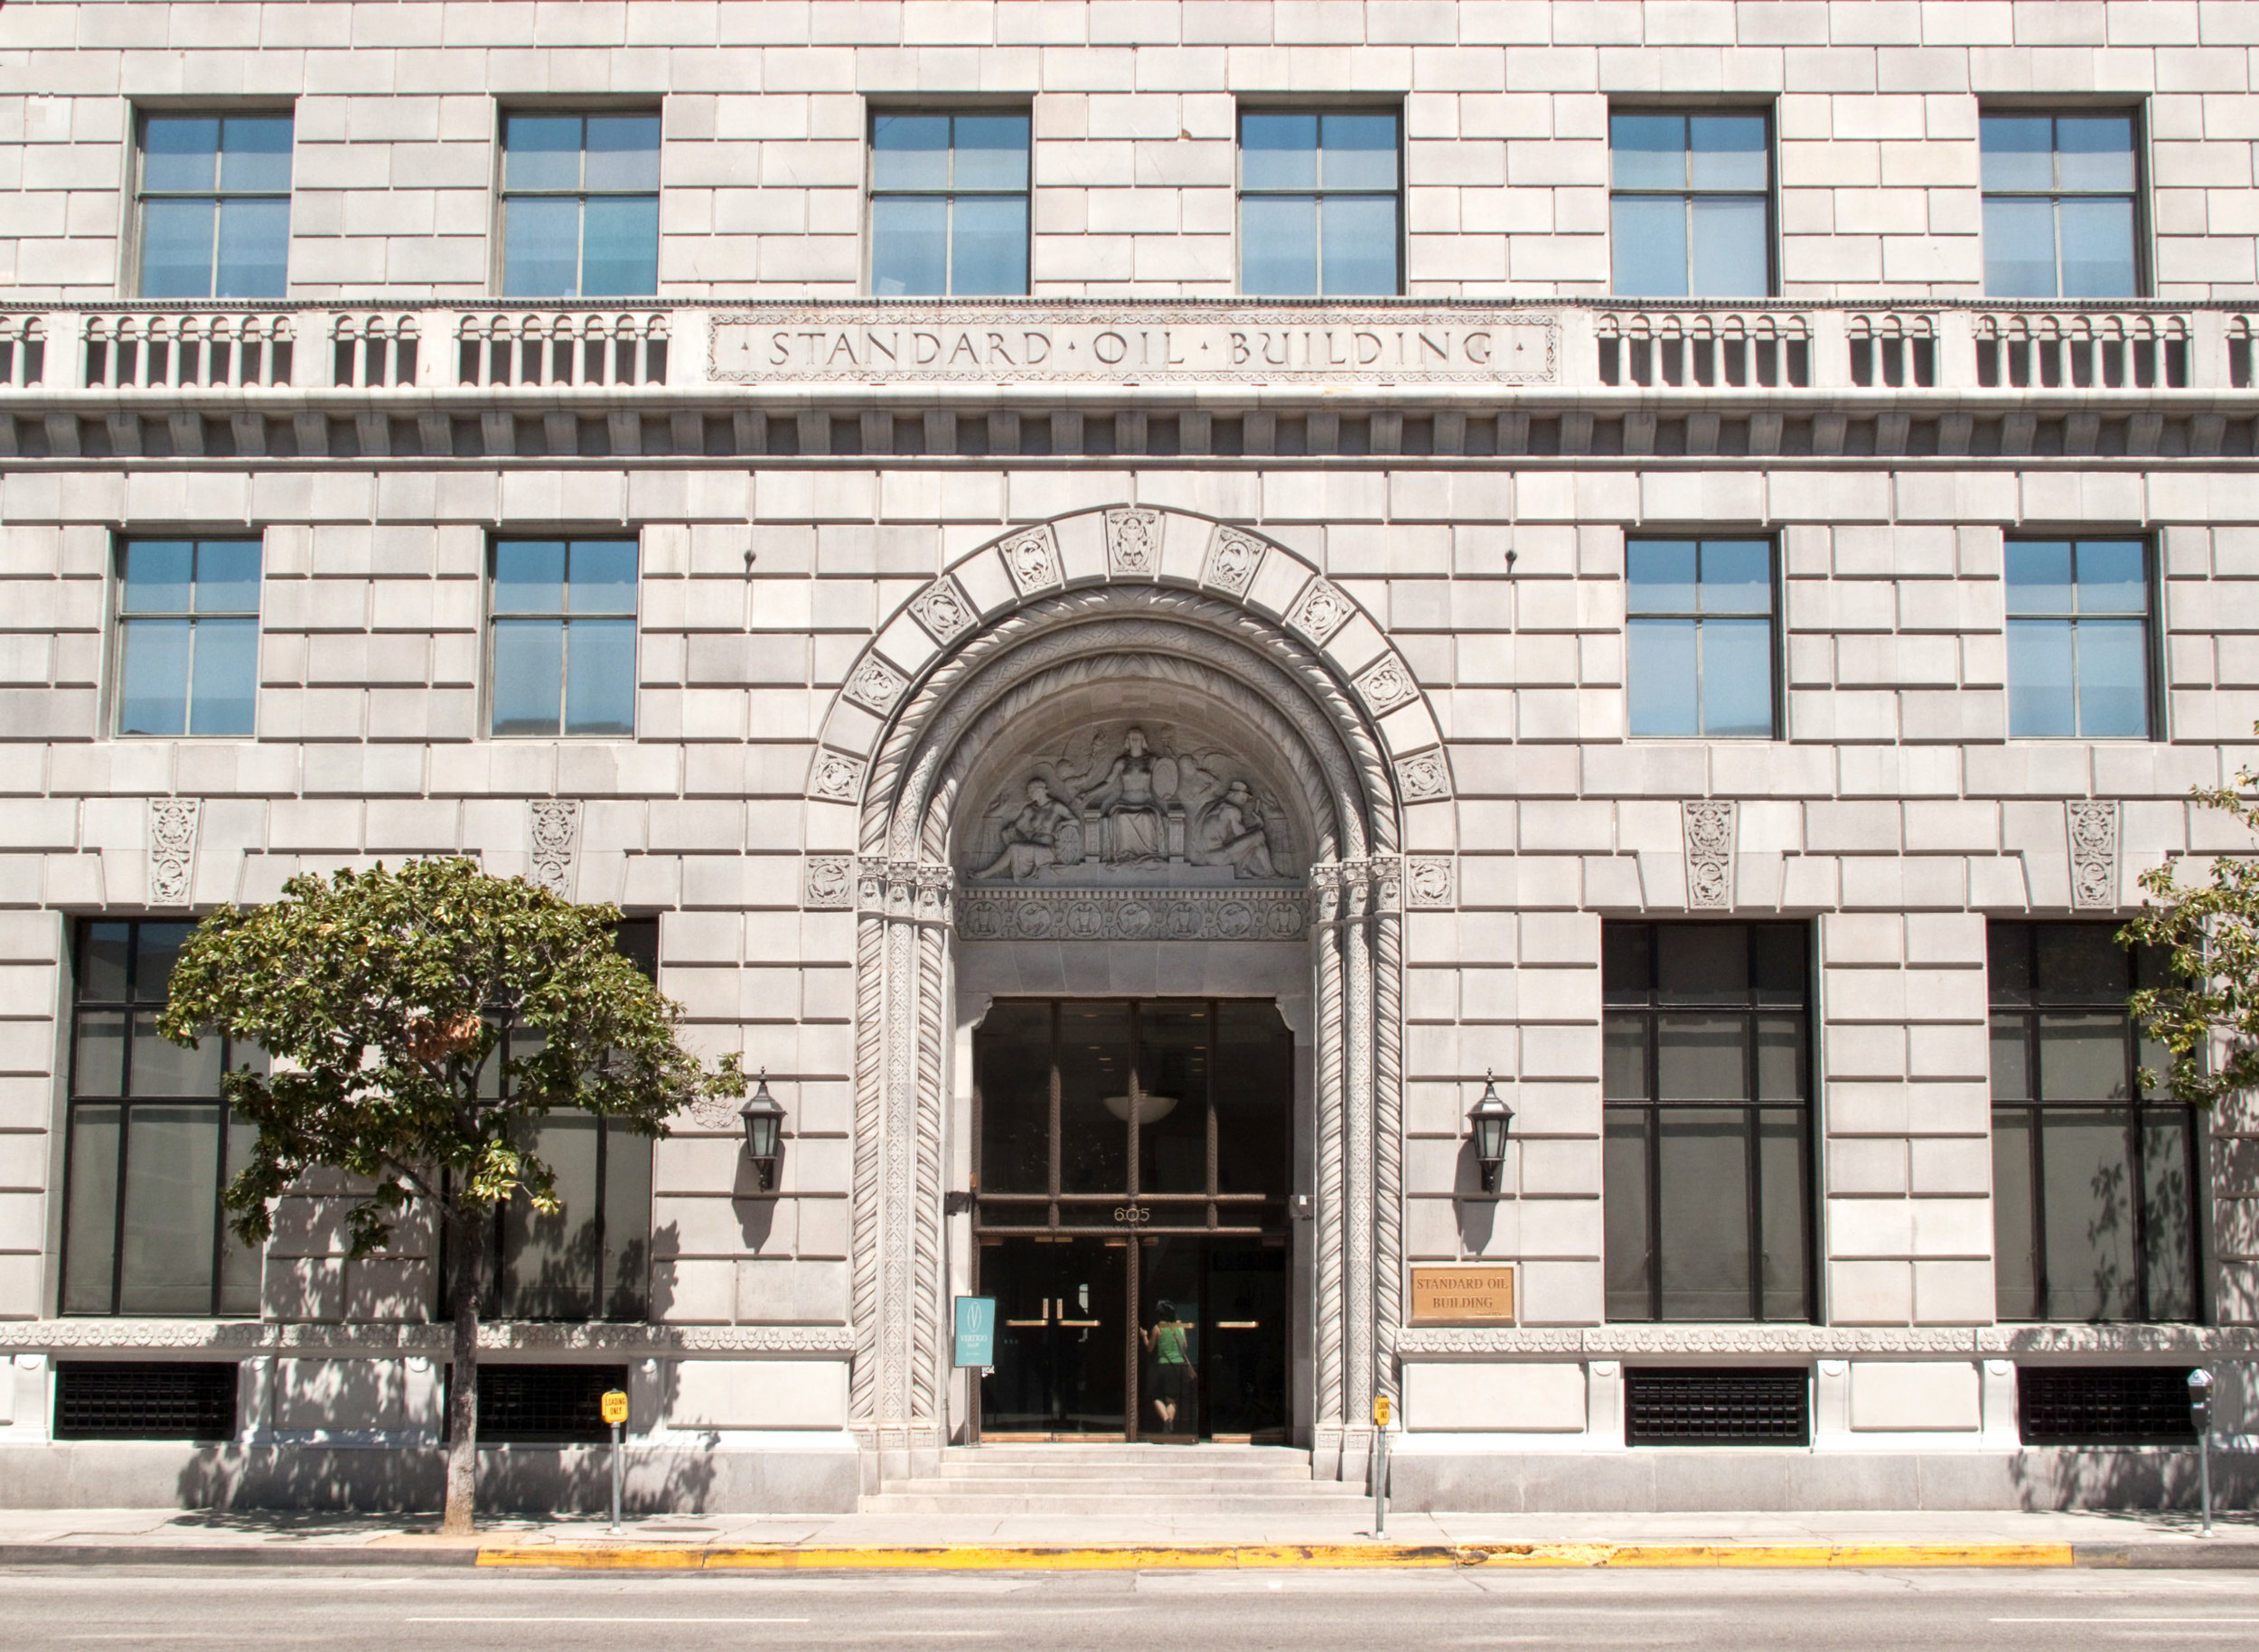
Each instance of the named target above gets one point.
<point>227,1554</point>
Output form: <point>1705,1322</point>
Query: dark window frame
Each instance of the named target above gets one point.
<point>950,194</point>
<point>565,618</point>
<point>2137,194</point>
<point>1318,191</point>
<point>123,619</point>
<point>1774,615</point>
<point>581,193</point>
<point>142,194</point>
<point>2151,619</point>
<point>1689,193</point>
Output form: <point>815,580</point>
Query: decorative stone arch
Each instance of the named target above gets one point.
<point>1212,610</point>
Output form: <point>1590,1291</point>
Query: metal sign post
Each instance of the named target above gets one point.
<point>616,1413</point>
<point>975,1347</point>
<point>1380,1466</point>
<point>2200,1413</point>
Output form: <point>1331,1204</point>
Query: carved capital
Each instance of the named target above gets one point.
<point>553,826</point>
<point>174,823</point>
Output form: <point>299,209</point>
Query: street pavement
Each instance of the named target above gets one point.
<point>1147,1611</point>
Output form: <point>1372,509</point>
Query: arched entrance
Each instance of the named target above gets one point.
<point>1129,756</point>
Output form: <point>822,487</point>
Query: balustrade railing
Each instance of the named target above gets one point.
<point>181,350</point>
<point>1733,349</point>
<point>373,349</point>
<point>497,347</point>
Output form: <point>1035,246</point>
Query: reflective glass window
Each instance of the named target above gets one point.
<point>563,659</point>
<point>2078,639</point>
<point>949,203</point>
<point>1690,204</point>
<point>2059,198</point>
<point>1320,204</point>
<point>580,205</point>
<point>214,206</point>
<point>187,636</point>
<point>1700,617</point>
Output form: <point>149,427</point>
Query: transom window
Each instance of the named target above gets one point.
<point>580,205</point>
<point>214,196</point>
<point>1699,614</point>
<point>1690,204</point>
<point>564,651</point>
<point>188,636</point>
<point>1319,202</point>
<point>2059,193</point>
<point>1707,1150</point>
<point>2096,1203</point>
<point>949,205</point>
<point>2078,639</point>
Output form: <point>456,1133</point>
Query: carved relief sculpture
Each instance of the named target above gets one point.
<point>1133,543</point>
<point>2094,835</point>
<point>1136,830</point>
<point>1044,834</point>
<point>173,825</point>
<point>1710,840</point>
<point>554,827</point>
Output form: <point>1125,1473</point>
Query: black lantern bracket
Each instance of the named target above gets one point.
<point>763,1118</point>
<point>1490,1117</point>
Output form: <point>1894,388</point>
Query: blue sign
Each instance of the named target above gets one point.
<point>976,1331</point>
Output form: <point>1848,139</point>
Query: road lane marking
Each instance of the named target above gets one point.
<point>2096,1621</point>
<point>567,1617</point>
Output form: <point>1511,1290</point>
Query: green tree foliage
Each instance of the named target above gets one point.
<point>2207,1015</point>
<point>379,997</point>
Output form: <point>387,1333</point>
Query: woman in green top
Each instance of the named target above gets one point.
<point>1170,1347</point>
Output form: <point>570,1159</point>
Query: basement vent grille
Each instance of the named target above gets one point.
<point>545,1404</point>
<point>2105,1404</point>
<point>145,1400</point>
<point>1716,1407</point>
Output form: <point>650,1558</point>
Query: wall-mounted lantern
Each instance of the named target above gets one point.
<point>765,1132</point>
<point>1490,1116</point>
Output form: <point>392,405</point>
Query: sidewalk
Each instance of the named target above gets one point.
<point>895,1542</point>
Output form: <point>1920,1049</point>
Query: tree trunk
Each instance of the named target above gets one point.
<point>468,1227</point>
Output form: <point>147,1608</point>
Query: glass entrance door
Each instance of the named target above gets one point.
<point>1134,1152</point>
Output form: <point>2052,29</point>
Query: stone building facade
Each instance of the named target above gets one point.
<point>1076,602</point>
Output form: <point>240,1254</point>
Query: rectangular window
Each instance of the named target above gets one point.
<point>2096,1209</point>
<point>151,1144</point>
<point>1707,1154</point>
<point>580,205</point>
<point>2059,193</point>
<point>1321,206</point>
<point>187,636</point>
<point>1690,205</point>
<point>213,200</point>
<point>2079,657</point>
<point>564,652</point>
<point>1700,615</point>
<point>949,205</point>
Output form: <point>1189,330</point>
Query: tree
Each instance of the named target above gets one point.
<point>381,997</point>
<point>2207,1015</point>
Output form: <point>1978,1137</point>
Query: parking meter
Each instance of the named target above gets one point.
<point>2200,1414</point>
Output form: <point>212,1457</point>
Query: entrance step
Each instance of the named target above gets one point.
<point>1119,1480</point>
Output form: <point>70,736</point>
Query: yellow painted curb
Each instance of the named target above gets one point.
<point>1128,1557</point>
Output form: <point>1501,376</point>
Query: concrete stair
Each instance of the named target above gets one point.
<point>1162,1482</point>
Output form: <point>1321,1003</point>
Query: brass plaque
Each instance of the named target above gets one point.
<point>1477,1293</point>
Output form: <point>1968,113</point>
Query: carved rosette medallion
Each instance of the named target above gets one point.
<point>836,777</point>
<point>1232,558</point>
<point>1708,824</point>
<point>173,823</point>
<point>553,826</point>
<point>2094,836</point>
<point>1319,612</point>
<point>1422,777</point>
<point>1431,884</point>
<point>830,883</point>
<point>1143,914</point>
<point>875,685</point>
<point>1386,686</point>
<point>1133,544</point>
<point>942,610</point>
<point>1031,559</point>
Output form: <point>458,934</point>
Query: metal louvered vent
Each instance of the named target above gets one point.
<point>145,1400</point>
<point>545,1404</point>
<point>1716,1407</point>
<point>2105,1404</point>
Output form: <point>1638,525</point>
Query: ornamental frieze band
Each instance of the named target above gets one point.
<point>1141,914</point>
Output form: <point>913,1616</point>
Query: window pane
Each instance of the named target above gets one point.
<point>910,152</point>
<point>2112,680</point>
<point>1737,677</point>
<point>1625,963</point>
<point>621,256</point>
<point>1780,1059</point>
<point>91,1224</point>
<point>2095,152</point>
<point>540,248</point>
<point>603,577</point>
<point>1664,697</point>
<point>1624,1073</point>
<point>2167,1213</point>
<point>2082,1057</point>
<point>1703,1177</point>
<point>1648,235</point>
<point>623,152</point>
<point>224,696</point>
<point>2089,1213</point>
<point>2018,247</point>
<point>164,1068</point>
<point>2098,248</point>
<point>528,675</point>
<point>600,683</point>
<point>2015,1261</point>
<point>2011,1064</point>
<point>627,1175</point>
<point>1360,245</point>
<point>1702,964</point>
<point>1731,256</point>
<point>1360,153</point>
<point>1784,1166</point>
<point>157,948</point>
<point>1700,1058</point>
<point>152,677</point>
<point>227,577</point>
<point>529,577</point>
<point>909,247</point>
<point>158,576</point>
<point>1736,576</point>
<point>541,152</point>
<point>1776,963</point>
<point>991,152</point>
<point>241,1265</point>
<point>2081,963</point>
<point>1662,575</point>
<point>2113,576</point>
<point>176,250</point>
<point>1093,1067</point>
<point>548,1260</point>
<point>256,153</point>
<point>987,255</point>
<point>2017,152</point>
<point>172,1178</point>
<point>1647,152</point>
<point>1014,1073</point>
<point>1726,152</point>
<point>1278,246</point>
<point>180,152</point>
<point>1624,1214</point>
<point>2038,575</point>
<point>102,953</point>
<point>99,1053</point>
<point>1278,151</point>
<point>2039,705</point>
